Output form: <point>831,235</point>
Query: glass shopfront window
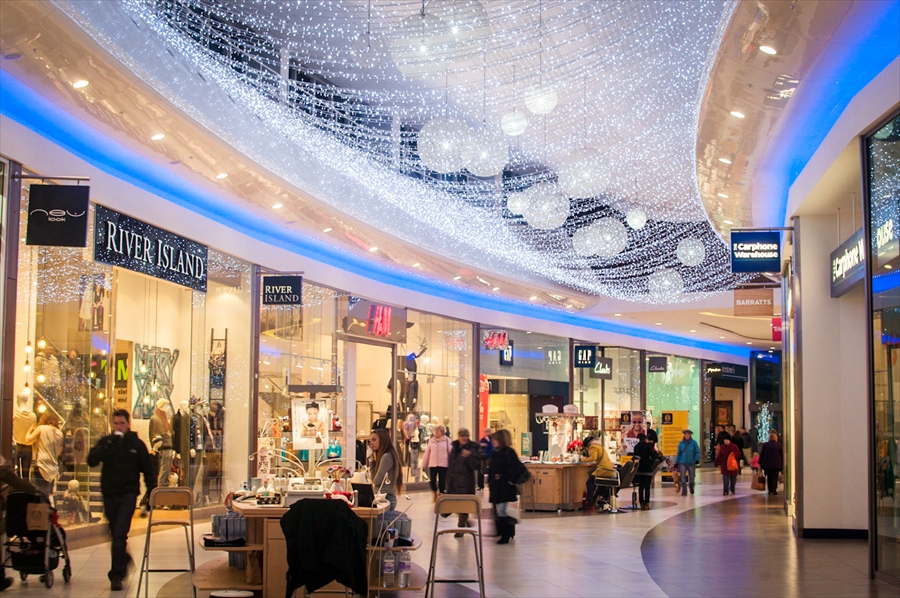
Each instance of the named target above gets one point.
<point>531,373</point>
<point>883,179</point>
<point>675,389</point>
<point>95,337</point>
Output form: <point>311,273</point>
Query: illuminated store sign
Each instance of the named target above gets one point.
<point>755,252</point>
<point>58,215</point>
<point>507,358</point>
<point>585,356</point>
<point>282,290</point>
<point>657,365</point>
<point>728,371</point>
<point>848,264</point>
<point>884,234</point>
<point>367,318</point>
<point>494,340</point>
<point>120,240</point>
<point>602,369</point>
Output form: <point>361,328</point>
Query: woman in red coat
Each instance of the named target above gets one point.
<point>728,467</point>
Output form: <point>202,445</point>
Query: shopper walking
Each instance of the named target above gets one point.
<point>47,440</point>
<point>648,459</point>
<point>603,468</point>
<point>8,477</point>
<point>506,471</point>
<point>124,457</point>
<point>738,441</point>
<point>463,469</point>
<point>747,444</point>
<point>487,447</point>
<point>686,459</point>
<point>436,459</point>
<point>771,461</point>
<point>727,460</point>
<point>384,468</point>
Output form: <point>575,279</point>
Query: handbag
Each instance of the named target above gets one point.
<point>758,482</point>
<point>521,475</point>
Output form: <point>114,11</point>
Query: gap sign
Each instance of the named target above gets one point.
<point>755,252</point>
<point>585,356</point>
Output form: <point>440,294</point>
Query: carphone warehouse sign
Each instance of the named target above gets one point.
<point>755,251</point>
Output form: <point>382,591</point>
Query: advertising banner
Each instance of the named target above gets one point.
<point>484,397</point>
<point>673,424</point>
<point>776,329</point>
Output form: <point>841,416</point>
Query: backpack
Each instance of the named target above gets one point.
<point>731,464</point>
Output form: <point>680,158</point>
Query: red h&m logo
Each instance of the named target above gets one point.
<point>379,321</point>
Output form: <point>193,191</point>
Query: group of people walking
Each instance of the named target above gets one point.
<point>457,467</point>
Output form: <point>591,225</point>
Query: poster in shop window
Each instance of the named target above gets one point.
<point>670,433</point>
<point>308,429</point>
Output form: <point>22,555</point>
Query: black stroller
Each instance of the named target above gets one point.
<point>35,540</point>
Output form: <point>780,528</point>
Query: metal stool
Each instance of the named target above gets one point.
<point>179,497</point>
<point>463,504</point>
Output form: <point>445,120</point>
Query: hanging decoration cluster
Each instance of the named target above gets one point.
<point>491,133</point>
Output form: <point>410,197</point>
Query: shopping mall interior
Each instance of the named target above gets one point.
<point>299,248</point>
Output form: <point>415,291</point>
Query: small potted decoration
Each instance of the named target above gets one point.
<point>574,449</point>
<point>337,473</point>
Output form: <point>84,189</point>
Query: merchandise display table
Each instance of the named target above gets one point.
<point>264,536</point>
<point>555,486</point>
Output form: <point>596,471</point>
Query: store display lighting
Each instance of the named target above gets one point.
<point>691,252</point>
<point>722,195</point>
<point>724,160</point>
<point>736,114</point>
<point>222,175</point>
<point>277,206</point>
<point>27,367</point>
<point>28,348</point>
<point>439,51</point>
<point>40,378</point>
<point>42,343</point>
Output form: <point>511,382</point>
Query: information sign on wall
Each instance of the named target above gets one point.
<point>585,356</point>
<point>753,302</point>
<point>120,240</point>
<point>755,251</point>
<point>58,215</point>
<point>848,264</point>
<point>670,433</point>
<point>282,290</point>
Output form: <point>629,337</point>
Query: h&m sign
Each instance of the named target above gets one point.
<point>120,240</point>
<point>282,290</point>
<point>376,320</point>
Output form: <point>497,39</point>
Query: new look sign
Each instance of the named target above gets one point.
<point>755,251</point>
<point>120,240</point>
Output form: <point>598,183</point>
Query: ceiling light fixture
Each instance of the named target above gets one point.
<point>728,222</point>
<point>724,160</point>
<point>659,323</point>
<point>496,288</point>
<point>768,50</point>
<point>457,277</point>
<point>158,136</point>
<point>693,331</point>
<point>373,249</point>
<point>416,265</point>
<point>277,206</point>
<point>617,315</point>
<point>327,230</point>
<point>223,175</point>
<point>737,114</point>
<point>722,195</point>
<point>888,267</point>
<point>533,298</point>
<point>80,84</point>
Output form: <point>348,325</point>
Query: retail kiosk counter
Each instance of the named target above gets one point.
<point>555,486</point>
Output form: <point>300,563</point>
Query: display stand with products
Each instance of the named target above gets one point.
<point>558,477</point>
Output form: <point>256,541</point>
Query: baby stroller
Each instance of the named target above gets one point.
<point>35,541</point>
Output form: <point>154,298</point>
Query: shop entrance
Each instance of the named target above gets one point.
<point>372,381</point>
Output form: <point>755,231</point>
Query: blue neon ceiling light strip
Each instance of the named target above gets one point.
<point>32,110</point>
<point>869,42</point>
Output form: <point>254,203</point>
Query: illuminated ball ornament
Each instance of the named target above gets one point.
<point>440,144</point>
<point>485,154</point>
<point>665,285</point>
<point>514,123</point>
<point>541,99</point>
<point>605,237</point>
<point>691,252</point>
<point>584,174</point>
<point>636,218</point>
<point>516,203</point>
<point>546,208</point>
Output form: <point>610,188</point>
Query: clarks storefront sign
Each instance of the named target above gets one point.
<point>120,240</point>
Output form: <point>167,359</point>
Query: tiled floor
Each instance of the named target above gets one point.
<point>705,545</point>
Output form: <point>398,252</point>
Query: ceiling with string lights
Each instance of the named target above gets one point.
<point>552,141</point>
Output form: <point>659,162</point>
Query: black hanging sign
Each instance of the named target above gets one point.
<point>120,240</point>
<point>585,356</point>
<point>282,290</point>
<point>57,215</point>
<point>658,365</point>
<point>602,369</point>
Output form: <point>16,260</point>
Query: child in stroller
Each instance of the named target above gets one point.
<point>35,540</point>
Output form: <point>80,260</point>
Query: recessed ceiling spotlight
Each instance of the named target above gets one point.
<point>221,176</point>
<point>158,136</point>
<point>80,84</point>
<point>749,342</point>
<point>659,323</point>
<point>327,230</point>
<point>373,249</point>
<point>277,206</point>
<point>496,288</point>
<point>724,160</point>
<point>457,277</point>
<point>533,297</point>
<point>736,114</point>
<point>728,222</point>
<point>12,56</point>
<point>722,195</point>
<point>617,315</point>
<point>416,265</point>
<point>888,267</point>
<point>721,337</point>
<point>693,331</point>
<point>529,332</point>
<point>768,50</point>
<point>570,306</point>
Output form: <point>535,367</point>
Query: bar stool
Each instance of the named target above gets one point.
<point>179,497</point>
<point>448,504</point>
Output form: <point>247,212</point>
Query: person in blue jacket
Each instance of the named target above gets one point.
<point>687,458</point>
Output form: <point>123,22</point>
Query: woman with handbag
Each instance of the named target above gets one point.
<point>727,460</point>
<point>771,461</point>
<point>506,472</point>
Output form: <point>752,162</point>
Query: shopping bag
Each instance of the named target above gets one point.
<point>731,464</point>
<point>36,516</point>
<point>759,482</point>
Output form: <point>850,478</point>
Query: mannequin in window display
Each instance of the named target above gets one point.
<point>23,420</point>
<point>412,440</point>
<point>409,389</point>
<point>181,438</point>
<point>430,424</point>
<point>48,374</point>
<point>161,441</point>
<point>74,379</point>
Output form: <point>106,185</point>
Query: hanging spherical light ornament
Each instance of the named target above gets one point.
<point>584,241</point>
<point>415,43</point>
<point>440,144</point>
<point>636,218</point>
<point>691,252</point>
<point>585,174</point>
<point>541,99</point>
<point>516,203</point>
<point>609,237</point>
<point>546,207</point>
<point>464,29</point>
<point>665,284</point>
<point>514,123</point>
<point>485,154</point>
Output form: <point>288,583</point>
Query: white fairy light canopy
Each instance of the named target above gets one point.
<point>511,136</point>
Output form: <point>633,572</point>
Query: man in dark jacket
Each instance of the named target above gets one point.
<point>487,448</point>
<point>771,461</point>
<point>124,457</point>
<point>463,467</point>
